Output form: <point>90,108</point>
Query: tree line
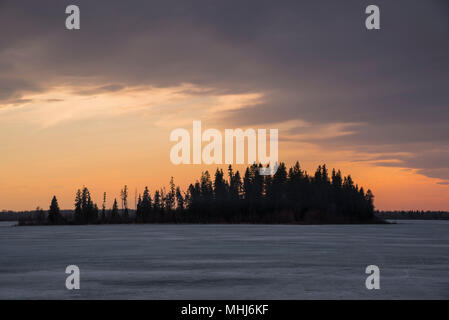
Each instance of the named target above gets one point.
<point>289,196</point>
<point>413,215</point>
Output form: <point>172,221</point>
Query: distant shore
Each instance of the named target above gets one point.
<point>381,216</point>
<point>374,221</point>
<point>27,218</point>
<point>413,215</point>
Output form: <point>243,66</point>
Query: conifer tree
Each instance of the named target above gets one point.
<point>171,196</point>
<point>220,187</point>
<point>157,201</point>
<point>103,208</point>
<point>78,207</point>
<point>179,200</point>
<point>114,211</point>
<point>124,198</point>
<point>54,214</point>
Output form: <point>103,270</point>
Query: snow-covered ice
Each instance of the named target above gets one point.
<point>226,261</point>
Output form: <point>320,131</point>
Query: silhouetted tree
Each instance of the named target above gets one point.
<point>78,207</point>
<point>145,205</point>
<point>89,210</point>
<point>54,214</point>
<point>114,212</point>
<point>179,200</point>
<point>124,198</point>
<point>157,202</point>
<point>103,208</point>
<point>170,197</point>
<point>336,179</point>
<point>235,185</point>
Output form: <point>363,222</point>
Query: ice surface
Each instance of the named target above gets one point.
<point>226,261</point>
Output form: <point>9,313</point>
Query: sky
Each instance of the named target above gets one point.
<point>95,107</point>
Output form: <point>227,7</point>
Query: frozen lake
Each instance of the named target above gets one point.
<point>226,261</point>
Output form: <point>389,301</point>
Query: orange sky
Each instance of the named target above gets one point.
<point>58,141</point>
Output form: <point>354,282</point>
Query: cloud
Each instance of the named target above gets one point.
<point>12,90</point>
<point>101,89</point>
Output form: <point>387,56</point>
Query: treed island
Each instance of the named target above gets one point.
<point>287,197</point>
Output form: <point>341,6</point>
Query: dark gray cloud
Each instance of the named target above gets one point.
<point>314,61</point>
<point>12,89</point>
<point>100,89</point>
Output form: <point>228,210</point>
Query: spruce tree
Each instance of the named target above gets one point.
<point>78,207</point>
<point>114,211</point>
<point>103,208</point>
<point>145,205</point>
<point>179,200</point>
<point>124,197</point>
<point>54,215</point>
